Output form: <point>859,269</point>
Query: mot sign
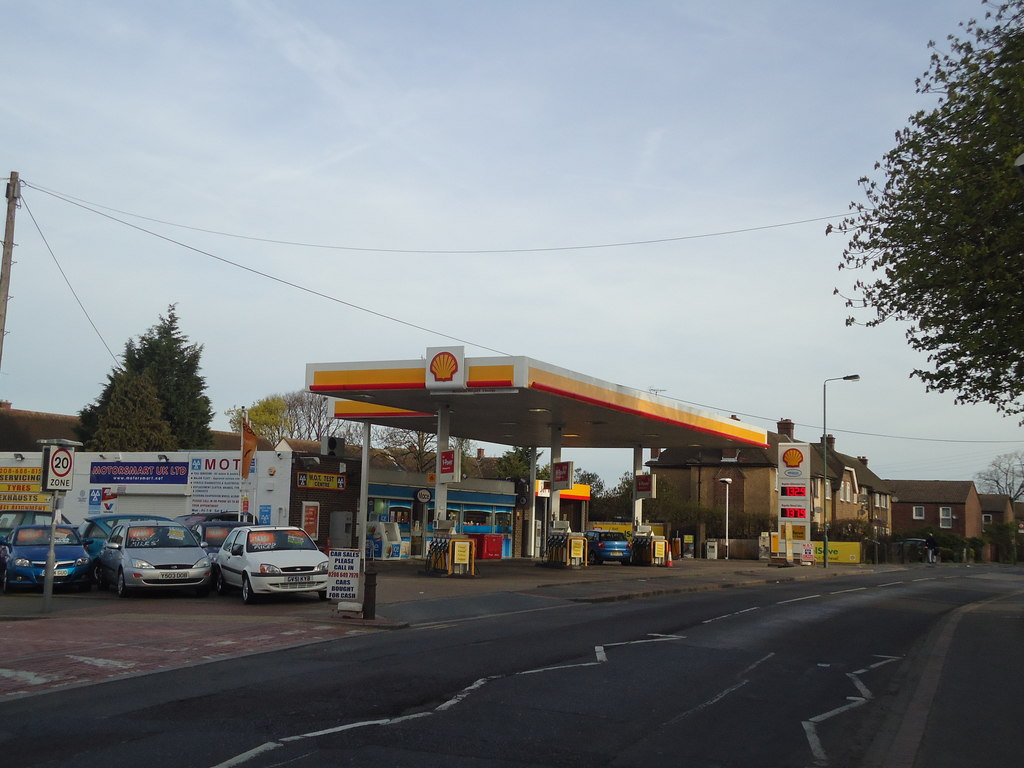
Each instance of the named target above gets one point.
<point>59,467</point>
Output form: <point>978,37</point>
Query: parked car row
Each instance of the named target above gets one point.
<point>137,553</point>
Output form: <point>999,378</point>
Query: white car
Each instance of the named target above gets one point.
<point>270,559</point>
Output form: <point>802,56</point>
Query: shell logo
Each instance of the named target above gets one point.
<point>793,458</point>
<point>444,366</point>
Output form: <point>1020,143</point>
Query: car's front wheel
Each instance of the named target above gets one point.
<point>248,597</point>
<point>97,576</point>
<point>221,585</point>
<point>122,586</point>
<point>4,586</point>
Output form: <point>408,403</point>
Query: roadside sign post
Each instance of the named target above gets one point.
<point>58,476</point>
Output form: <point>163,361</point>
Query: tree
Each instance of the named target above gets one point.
<point>1005,475</point>
<point>267,417</point>
<point>172,364</point>
<point>515,462</point>
<point>311,417</point>
<point>583,477</point>
<point>132,421</point>
<point>940,239</point>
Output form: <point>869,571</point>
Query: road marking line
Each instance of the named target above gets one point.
<point>729,615</point>
<point>104,663</point>
<point>713,700</point>
<point>844,591</point>
<point>23,676</point>
<point>890,583</point>
<point>756,664</point>
<point>797,599</point>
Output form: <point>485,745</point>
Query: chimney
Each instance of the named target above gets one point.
<point>5,405</point>
<point>785,428</point>
<point>830,441</point>
<point>479,454</point>
<point>863,460</point>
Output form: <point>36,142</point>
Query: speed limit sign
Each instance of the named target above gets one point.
<point>60,466</point>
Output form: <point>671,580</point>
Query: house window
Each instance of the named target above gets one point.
<point>986,518</point>
<point>919,513</point>
<point>945,517</point>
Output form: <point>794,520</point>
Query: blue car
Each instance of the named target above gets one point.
<point>95,530</point>
<point>24,554</point>
<point>608,545</point>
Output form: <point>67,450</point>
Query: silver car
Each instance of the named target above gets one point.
<point>153,555</point>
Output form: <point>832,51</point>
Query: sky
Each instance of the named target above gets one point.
<point>636,191</point>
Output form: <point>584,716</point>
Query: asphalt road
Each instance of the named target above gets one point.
<point>917,668</point>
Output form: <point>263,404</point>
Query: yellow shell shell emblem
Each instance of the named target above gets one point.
<point>793,458</point>
<point>444,366</point>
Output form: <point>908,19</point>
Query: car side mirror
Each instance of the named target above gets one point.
<point>87,542</point>
<point>236,550</point>
<point>111,545</point>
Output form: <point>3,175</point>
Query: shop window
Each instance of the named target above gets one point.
<point>503,522</point>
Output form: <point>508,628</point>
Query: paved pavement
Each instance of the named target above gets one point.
<point>89,638</point>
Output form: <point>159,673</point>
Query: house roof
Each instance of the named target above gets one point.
<point>672,458</point>
<point>931,491</point>
<point>21,430</point>
<point>995,502</point>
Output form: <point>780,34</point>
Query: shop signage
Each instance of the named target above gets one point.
<point>326,481</point>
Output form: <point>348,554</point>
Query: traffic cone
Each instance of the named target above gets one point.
<point>668,562</point>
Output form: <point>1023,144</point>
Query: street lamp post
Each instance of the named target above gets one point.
<point>824,460</point>
<point>726,481</point>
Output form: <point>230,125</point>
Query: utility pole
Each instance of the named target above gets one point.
<point>13,196</point>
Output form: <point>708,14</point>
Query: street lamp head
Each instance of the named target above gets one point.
<point>726,480</point>
<point>852,377</point>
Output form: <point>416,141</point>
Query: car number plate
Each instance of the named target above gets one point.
<point>61,572</point>
<point>293,579</point>
<point>174,575</point>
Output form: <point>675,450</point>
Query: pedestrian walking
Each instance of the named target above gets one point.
<point>933,548</point>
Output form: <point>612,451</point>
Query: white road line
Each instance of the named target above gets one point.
<point>756,664</point>
<point>925,578</point>
<point>730,615</point>
<point>704,705</point>
<point>104,663</point>
<point>797,599</point>
<point>844,591</point>
<point>890,583</point>
<point>24,676</point>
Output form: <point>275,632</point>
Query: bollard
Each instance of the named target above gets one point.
<point>370,595</point>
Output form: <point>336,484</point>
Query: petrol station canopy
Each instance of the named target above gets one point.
<point>518,401</point>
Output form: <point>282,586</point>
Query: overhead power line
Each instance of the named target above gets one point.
<point>437,252</point>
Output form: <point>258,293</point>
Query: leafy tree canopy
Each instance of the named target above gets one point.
<point>172,364</point>
<point>267,417</point>
<point>940,237</point>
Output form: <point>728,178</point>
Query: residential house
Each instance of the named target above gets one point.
<point>854,493</point>
<point>943,505</point>
<point>996,508</point>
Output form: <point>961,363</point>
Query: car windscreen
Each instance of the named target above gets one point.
<point>162,536</point>
<point>214,535</point>
<point>36,537</point>
<point>263,541</point>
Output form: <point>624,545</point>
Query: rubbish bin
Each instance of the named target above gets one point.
<point>711,550</point>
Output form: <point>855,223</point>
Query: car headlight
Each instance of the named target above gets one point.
<point>322,568</point>
<point>136,563</point>
<point>22,562</point>
<point>202,562</point>
<point>82,561</point>
<point>269,568</point>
